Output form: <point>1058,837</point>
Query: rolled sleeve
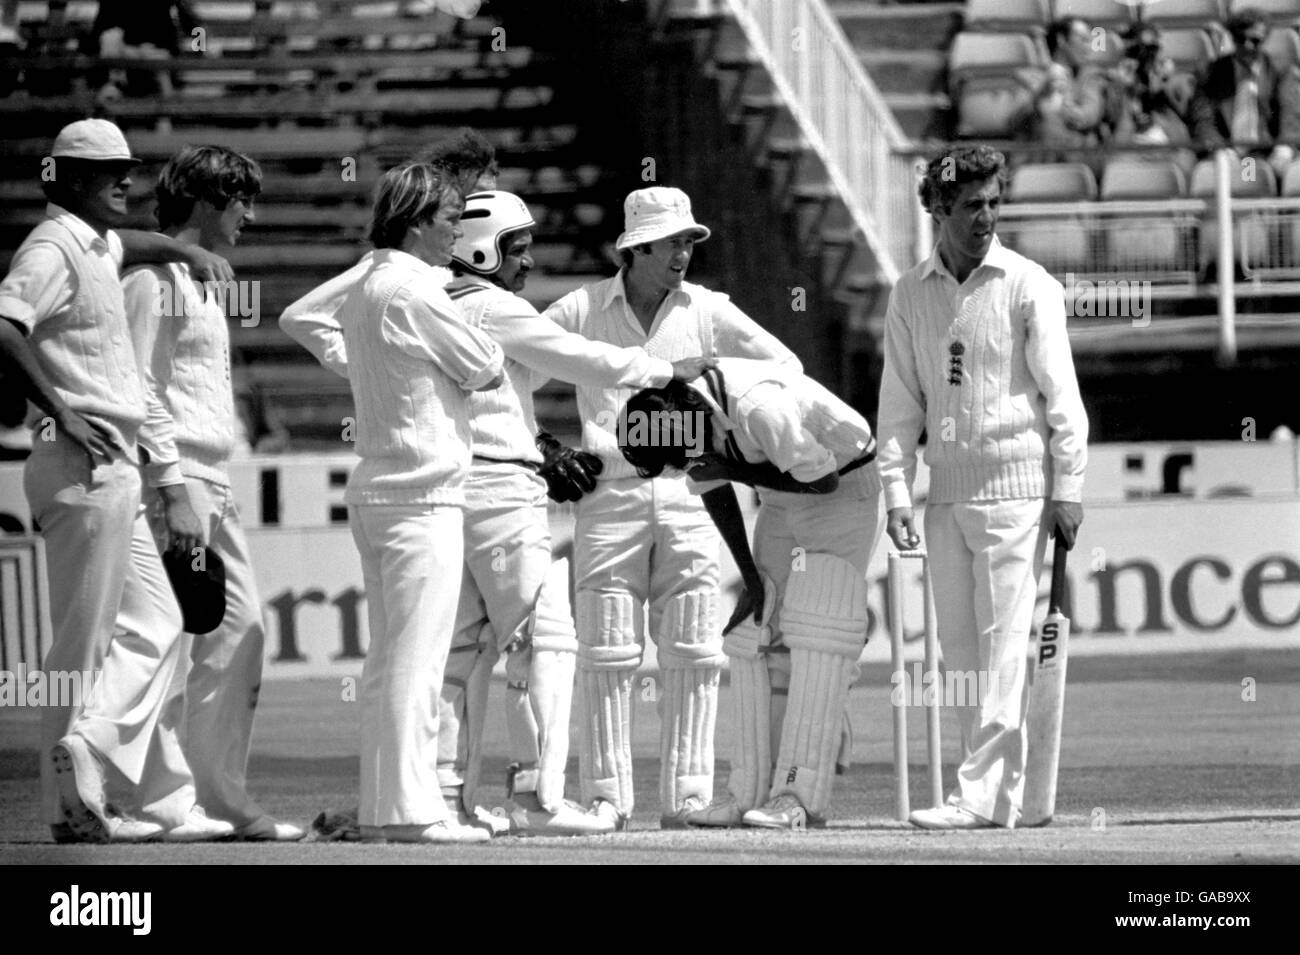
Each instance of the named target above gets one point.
<point>38,285</point>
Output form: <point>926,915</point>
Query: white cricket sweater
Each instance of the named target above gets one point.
<point>692,321</point>
<point>64,288</point>
<point>775,414</point>
<point>411,360</point>
<point>503,424</point>
<point>985,368</point>
<point>183,345</point>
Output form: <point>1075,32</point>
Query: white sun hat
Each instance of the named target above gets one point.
<point>93,139</point>
<point>656,213</point>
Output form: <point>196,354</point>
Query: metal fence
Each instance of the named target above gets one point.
<point>844,119</point>
<point>24,603</point>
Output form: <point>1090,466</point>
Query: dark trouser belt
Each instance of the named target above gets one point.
<point>859,462</point>
<point>518,462</point>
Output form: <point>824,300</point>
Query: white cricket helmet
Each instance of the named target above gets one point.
<point>487,217</point>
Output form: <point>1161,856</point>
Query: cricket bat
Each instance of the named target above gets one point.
<point>1047,703</point>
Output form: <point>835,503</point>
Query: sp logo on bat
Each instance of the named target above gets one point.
<point>1047,642</point>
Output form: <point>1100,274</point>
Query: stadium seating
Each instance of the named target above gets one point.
<point>979,53</point>
<point>1053,182</point>
<point>1278,11</point>
<point>1153,246</point>
<point>1059,243</point>
<point>1128,178</point>
<point>1111,14</point>
<point>1169,14</point>
<point>992,78</point>
<point>1006,15</point>
<point>1283,47</point>
<point>1253,230</point>
<point>1191,48</point>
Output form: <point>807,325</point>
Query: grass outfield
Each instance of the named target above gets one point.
<point>1163,762</point>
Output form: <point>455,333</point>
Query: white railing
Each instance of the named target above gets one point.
<point>844,120</point>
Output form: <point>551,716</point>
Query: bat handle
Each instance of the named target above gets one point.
<point>1058,575</point>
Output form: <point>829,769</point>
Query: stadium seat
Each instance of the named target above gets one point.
<point>1257,181</point>
<point>1291,180</point>
<point>1276,11</point>
<point>1169,14</point>
<point>1019,16</point>
<point>1253,230</point>
<point>994,106</point>
<point>1283,47</point>
<point>1126,178</point>
<point>1053,182</point>
<point>1098,13</point>
<point>1191,48</point>
<point>985,53</point>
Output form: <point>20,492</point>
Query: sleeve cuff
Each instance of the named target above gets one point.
<point>18,310</point>
<point>486,374</point>
<point>700,488</point>
<point>164,475</point>
<point>897,495</point>
<point>661,372</point>
<point>1068,487</point>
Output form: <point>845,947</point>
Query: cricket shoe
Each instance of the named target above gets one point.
<point>783,812</point>
<point>79,775</point>
<point>723,813</point>
<point>948,817</point>
<point>121,830</point>
<point>443,832</point>
<point>266,828</point>
<point>528,817</point>
<point>607,811</point>
<point>197,827</point>
<point>480,818</point>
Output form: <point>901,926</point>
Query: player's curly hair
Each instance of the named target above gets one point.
<point>666,448</point>
<point>214,173</point>
<point>467,157</point>
<point>951,169</point>
<point>406,195</point>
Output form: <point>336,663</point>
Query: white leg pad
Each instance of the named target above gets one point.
<point>824,622</point>
<point>539,691</point>
<point>610,625</point>
<point>752,706</point>
<point>690,663</point>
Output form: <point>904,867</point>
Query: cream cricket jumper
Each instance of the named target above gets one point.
<point>183,345</point>
<point>985,368</point>
<point>772,413</point>
<point>411,361</point>
<point>692,321</point>
<point>502,422</point>
<point>64,288</point>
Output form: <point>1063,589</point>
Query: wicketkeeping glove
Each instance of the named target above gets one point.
<point>568,473</point>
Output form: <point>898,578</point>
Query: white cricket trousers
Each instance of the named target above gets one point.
<point>985,561</point>
<point>411,561</point>
<point>114,616</point>
<point>218,690</point>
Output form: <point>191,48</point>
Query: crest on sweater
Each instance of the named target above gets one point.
<point>955,351</point>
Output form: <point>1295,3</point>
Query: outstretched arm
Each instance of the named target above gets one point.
<point>712,467</point>
<point>724,509</point>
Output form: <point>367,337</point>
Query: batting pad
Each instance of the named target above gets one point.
<point>688,709</point>
<point>691,633</point>
<point>539,691</point>
<point>751,702</point>
<point>824,622</point>
<point>609,651</point>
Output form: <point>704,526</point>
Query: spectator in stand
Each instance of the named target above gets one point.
<point>1150,97</point>
<point>140,29</point>
<point>1070,108</point>
<point>1245,102</point>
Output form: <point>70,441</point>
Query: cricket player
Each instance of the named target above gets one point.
<point>66,343</point>
<point>649,542</point>
<point>977,356</point>
<point>513,599</point>
<point>205,197</point>
<point>812,457</point>
<point>411,361</point>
